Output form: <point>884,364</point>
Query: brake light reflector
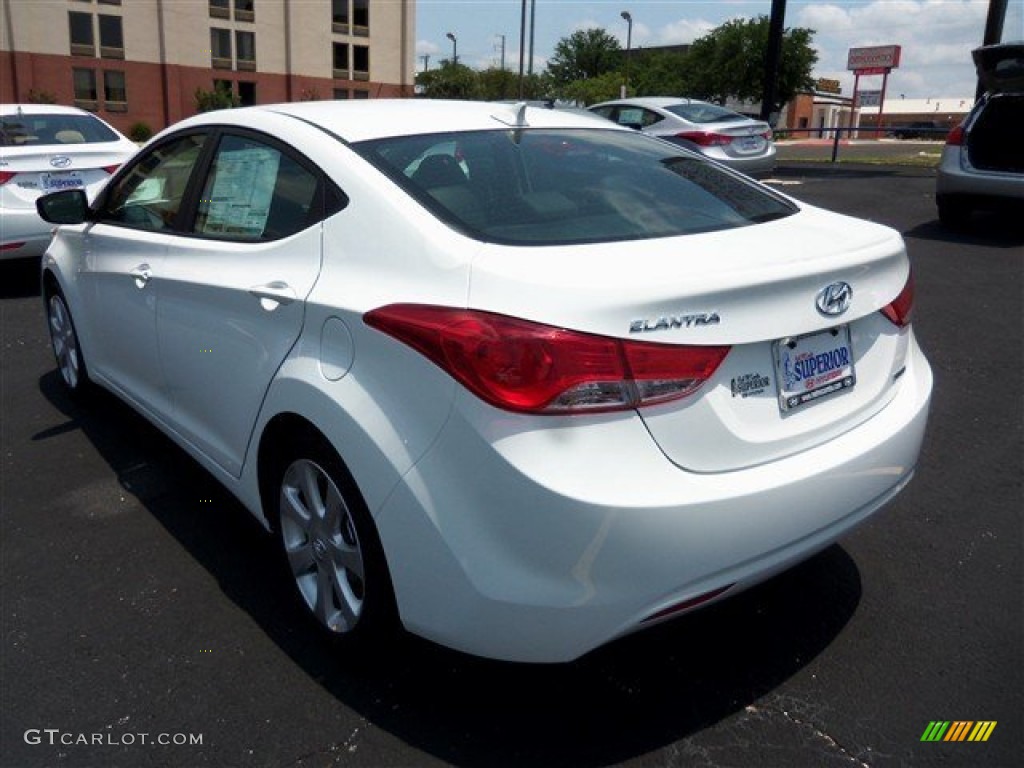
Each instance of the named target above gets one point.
<point>955,138</point>
<point>111,169</point>
<point>705,138</point>
<point>899,309</point>
<point>6,176</point>
<point>528,367</point>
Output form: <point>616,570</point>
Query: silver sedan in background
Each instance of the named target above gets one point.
<point>716,132</point>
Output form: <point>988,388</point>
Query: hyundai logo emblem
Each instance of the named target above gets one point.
<point>60,161</point>
<point>834,299</point>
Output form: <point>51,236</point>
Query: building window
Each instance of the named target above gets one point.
<point>341,93</point>
<point>361,17</point>
<point>361,62</point>
<point>115,95</point>
<point>82,41</point>
<point>111,37</point>
<point>109,2</point>
<point>85,88</point>
<point>115,92</point>
<point>245,51</point>
<point>246,93</point>
<point>219,9</point>
<point>220,48</point>
<point>341,61</point>
<point>360,94</point>
<point>340,16</point>
<point>244,10</point>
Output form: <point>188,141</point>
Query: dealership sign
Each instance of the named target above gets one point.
<point>873,61</point>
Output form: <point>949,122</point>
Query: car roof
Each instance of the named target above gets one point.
<point>40,109</point>
<point>382,118</point>
<point>652,101</point>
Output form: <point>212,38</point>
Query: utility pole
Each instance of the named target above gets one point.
<point>533,24</point>
<point>522,45</point>
<point>502,52</point>
<point>426,61</point>
<point>773,57</point>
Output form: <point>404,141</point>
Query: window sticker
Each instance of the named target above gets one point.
<point>243,185</point>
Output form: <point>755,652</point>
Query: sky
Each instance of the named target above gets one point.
<point>936,36</point>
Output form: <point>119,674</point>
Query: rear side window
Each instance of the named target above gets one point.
<point>545,187</point>
<point>255,191</point>
<point>49,129</point>
<point>705,113</point>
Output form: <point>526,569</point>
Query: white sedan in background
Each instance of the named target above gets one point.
<point>44,148</point>
<point>521,380</point>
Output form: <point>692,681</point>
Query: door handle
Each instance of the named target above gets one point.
<point>141,275</point>
<point>272,295</point>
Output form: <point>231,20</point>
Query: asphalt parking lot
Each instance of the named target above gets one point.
<point>138,605</point>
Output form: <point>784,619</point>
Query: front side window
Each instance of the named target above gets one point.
<point>150,195</point>
<point>255,192</point>
<point>561,186</point>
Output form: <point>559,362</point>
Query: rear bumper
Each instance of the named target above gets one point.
<point>954,181</point>
<point>23,233</point>
<point>540,545</point>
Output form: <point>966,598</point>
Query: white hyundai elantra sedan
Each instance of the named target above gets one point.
<point>43,148</point>
<point>521,380</point>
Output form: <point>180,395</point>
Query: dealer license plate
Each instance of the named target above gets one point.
<point>808,368</point>
<point>749,144</point>
<point>52,182</point>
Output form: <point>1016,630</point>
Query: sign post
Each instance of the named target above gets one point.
<point>878,60</point>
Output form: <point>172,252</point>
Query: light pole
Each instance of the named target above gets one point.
<point>455,48</point>
<point>629,46</point>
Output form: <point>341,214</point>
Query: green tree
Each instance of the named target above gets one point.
<point>592,89</point>
<point>586,53</point>
<point>729,62</point>
<point>450,81</point>
<point>657,73</point>
<point>219,98</point>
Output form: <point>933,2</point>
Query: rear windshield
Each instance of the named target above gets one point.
<point>544,187</point>
<point>705,113</point>
<point>40,130</point>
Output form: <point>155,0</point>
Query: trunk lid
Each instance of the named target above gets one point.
<point>749,288</point>
<point>1000,67</point>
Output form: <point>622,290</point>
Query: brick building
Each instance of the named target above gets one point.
<point>143,60</point>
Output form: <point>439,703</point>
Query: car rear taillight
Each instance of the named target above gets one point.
<point>111,169</point>
<point>6,176</point>
<point>705,138</point>
<point>528,367</point>
<point>899,309</point>
<point>955,138</point>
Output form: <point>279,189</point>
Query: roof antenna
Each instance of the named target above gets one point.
<point>515,117</point>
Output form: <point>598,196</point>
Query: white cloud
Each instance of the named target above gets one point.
<point>936,37</point>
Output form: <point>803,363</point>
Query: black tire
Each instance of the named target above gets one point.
<point>64,341</point>
<point>329,544</point>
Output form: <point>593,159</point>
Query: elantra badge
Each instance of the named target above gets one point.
<point>834,299</point>
<point>60,161</point>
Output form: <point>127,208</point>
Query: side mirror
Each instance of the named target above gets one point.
<point>69,206</point>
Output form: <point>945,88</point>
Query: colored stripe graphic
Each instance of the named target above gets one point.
<point>958,730</point>
<point>982,730</point>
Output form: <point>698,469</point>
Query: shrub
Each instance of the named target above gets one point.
<point>140,131</point>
